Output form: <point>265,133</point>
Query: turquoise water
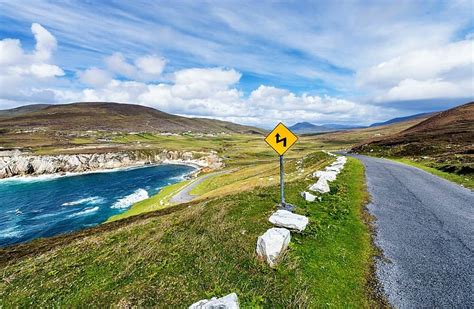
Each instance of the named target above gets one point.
<point>49,205</point>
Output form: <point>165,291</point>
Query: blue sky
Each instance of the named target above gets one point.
<point>352,62</point>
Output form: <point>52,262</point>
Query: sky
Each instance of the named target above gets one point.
<point>250,62</point>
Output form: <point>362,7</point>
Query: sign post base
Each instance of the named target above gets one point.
<point>286,206</point>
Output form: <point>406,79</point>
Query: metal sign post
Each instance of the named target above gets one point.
<point>282,181</point>
<point>281,139</point>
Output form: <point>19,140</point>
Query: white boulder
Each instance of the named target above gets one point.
<point>227,302</point>
<point>334,168</point>
<point>289,220</point>
<point>342,160</point>
<point>328,175</point>
<point>272,244</point>
<point>308,196</point>
<point>320,186</point>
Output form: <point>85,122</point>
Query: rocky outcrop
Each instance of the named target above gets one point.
<point>16,163</point>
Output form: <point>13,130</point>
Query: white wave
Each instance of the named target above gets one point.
<point>88,200</point>
<point>85,211</point>
<point>47,177</point>
<point>28,178</point>
<point>10,232</point>
<point>129,200</point>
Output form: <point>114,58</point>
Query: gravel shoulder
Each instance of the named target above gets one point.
<point>425,227</point>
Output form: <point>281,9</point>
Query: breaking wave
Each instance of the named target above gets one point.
<point>10,232</point>
<point>84,212</point>
<point>129,200</point>
<point>88,200</point>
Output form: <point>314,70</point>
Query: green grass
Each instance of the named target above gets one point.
<point>232,181</point>
<point>464,180</point>
<point>204,250</point>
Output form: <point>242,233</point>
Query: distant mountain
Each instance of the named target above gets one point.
<point>108,116</point>
<point>336,126</point>
<point>401,119</point>
<point>306,128</point>
<point>18,111</point>
<point>451,131</point>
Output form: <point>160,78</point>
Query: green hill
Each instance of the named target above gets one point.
<point>112,117</point>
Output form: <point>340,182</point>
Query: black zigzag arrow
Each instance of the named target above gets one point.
<point>278,140</point>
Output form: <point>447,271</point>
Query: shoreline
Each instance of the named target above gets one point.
<point>52,176</point>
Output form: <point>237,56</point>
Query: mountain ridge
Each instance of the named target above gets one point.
<point>111,116</point>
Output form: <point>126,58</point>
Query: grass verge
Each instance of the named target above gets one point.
<point>206,249</point>
<point>464,180</point>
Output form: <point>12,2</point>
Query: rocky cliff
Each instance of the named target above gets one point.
<point>16,163</point>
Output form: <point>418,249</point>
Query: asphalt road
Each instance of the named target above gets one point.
<point>425,227</point>
<point>184,195</point>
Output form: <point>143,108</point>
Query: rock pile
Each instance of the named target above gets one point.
<point>274,241</point>
<point>328,175</point>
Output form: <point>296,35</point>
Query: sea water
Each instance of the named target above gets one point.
<point>44,206</point>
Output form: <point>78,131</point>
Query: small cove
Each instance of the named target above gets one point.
<point>33,207</point>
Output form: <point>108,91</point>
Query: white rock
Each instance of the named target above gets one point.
<point>289,220</point>
<point>308,196</point>
<point>334,168</point>
<point>227,302</point>
<point>329,153</point>
<point>328,175</point>
<point>272,243</point>
<point>320,186</point>
<point>342,160</point>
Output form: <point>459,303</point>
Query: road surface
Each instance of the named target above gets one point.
<point>425,227</point>
<point>184,195</point>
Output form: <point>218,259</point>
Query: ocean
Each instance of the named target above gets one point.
<point>44,206</point>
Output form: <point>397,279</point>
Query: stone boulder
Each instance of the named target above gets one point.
<point>272,244</point>
<point>308,196</point>
<point>320,186</point>
<point>227,302</point>
<point>328,175</point>
<point>334,168</point>
<point>289,220</point>
<point>341,159</point>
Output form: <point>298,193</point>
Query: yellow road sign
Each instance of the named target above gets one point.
<point>281,139</point>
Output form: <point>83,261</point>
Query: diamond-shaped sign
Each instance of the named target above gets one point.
<point>281,139</point>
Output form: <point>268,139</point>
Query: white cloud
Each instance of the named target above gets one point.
<point>209,92</point>
<point>152,65</point>
<point>25,76</point>
<point>95,77</point>
<point>43,70</point>
<point>145,68</point>
<point>45,42</point>
<point>117,64</point>
<point>201,83</point>
<point>442,72</point>
<point>10,52</point>
<point>411,89</point>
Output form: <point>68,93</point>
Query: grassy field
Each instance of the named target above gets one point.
<point>184,253</point>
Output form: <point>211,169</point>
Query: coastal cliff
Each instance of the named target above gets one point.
<point>17,163</point>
